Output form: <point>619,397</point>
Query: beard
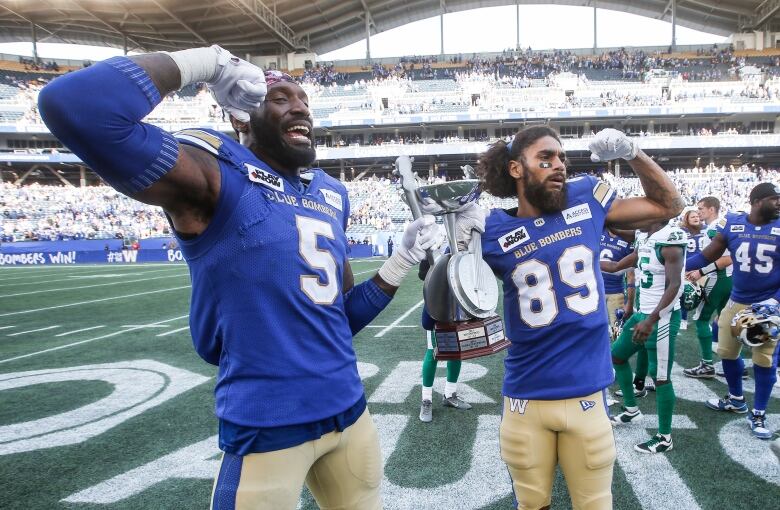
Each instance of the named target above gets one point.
<point>768,212</point>
<point>269,140</point>
<point>539,196</point>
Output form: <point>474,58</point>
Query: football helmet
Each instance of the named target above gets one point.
<point>756,325</point>
<point>692,296</point>
<point>616,327</point>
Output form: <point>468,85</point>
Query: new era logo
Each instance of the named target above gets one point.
<point>587,404</point>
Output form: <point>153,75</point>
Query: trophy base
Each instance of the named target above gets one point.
<point>469,339</point>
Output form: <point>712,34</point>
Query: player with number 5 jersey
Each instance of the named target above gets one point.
<point>546,252</point>
<point>274,304</point>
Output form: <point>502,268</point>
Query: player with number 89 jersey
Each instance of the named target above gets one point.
<point>546,252</point>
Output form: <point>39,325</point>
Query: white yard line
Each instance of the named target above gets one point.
<point>60,347</point>
<point>21,312</point>
<point>79,331</point>
<point>62,289</point>
<point>33,330</point>
<point>7,327</point>
<point>139,326</point>
<point>399,320</point>
<point>173,331</point>
<point>71,278</point>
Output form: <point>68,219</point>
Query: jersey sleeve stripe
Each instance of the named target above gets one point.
<point>199,141</point>
<point>603,192</point>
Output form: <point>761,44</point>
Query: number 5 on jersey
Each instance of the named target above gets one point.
<point>317,258</point>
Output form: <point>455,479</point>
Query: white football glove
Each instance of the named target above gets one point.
<point>609,144</point>
<point>420,235</point>
<point>469,218</point>
<point>237,86</point>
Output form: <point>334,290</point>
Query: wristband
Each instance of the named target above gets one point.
<point>195,65</point>
<point>395,269</point>
<point>709,268</point>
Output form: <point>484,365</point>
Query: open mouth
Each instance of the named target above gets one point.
<point>298,134</point>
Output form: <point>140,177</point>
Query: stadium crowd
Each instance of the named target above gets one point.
<point>36,212</point>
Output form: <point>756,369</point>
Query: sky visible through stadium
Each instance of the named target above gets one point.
<point>480,30</point>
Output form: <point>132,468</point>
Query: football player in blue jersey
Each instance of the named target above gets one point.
<point>618,288</point>
<point>274,303</point>
<point>546,251</point>
<point>754,242</point>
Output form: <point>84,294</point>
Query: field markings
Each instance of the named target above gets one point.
<point>7,327</point>
<point>88,340</point>
<point>36,272</point>
<point>62,289</point>
<point>79,303</point>
<point>80,330</point>
<point>34,330</point>
<point>70,278</point>
<point>173,331</point>
<point>399,319</point>
<point>137,326</point>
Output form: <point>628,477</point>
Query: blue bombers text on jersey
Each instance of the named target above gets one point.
<point>755,251</point>
<point>554,307</point>
<point>613,248</point>
<point>274,255</point>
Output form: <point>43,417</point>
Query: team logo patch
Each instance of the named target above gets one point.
<point>513,239</point>
<point>622,244</point>
<point>264,177</point>
<point>587,404</point>
<point>332,198</point>
<point>776,231</point>
<point>722,222</point>
<point>737,228</point>
<point>577,213</point>
<point>518,405</point>
<point>539,222</point>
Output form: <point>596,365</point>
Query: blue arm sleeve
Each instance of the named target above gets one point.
<point>427,321</point>
<point>96,112</point>
<point>698,261</point>
<point>363,303</point>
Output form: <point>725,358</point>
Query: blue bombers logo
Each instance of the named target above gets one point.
<point>587,404</point>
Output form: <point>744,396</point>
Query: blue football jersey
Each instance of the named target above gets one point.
<point>755,252</point>
<point>696,241</point>
<point>554,310</point>
<point>267,303</point>
<point>613,248</point>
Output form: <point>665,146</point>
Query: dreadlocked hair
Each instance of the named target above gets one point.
<point>493,164</point>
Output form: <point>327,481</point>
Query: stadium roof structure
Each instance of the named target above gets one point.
<point>271,27</point>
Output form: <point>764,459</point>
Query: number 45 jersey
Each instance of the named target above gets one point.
<point>554,309</point>
<point>755,251</point>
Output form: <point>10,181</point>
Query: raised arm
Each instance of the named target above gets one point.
<point>96,112</point>
<point>661,202</point>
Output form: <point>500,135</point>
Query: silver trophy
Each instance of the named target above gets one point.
<point>460,291</point>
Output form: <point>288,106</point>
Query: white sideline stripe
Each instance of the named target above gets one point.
<point>61,289</point>
<point>399,319</point>
<point>94,301</point>
<point>70,278</point>
<point>115,333</point>
<point>372,326</point>
<point>33,330</point>
<point>7,327</point>
<point>173,331</point>
<point>79,330</point>
<point>143,326</point>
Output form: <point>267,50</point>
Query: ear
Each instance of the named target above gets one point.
<point>515,169</point>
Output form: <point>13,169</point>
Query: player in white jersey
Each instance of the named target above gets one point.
<point>660,257</point>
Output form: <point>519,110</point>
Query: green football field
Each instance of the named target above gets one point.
<point>104,404</point>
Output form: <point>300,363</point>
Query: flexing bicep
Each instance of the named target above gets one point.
<point>635,213</point>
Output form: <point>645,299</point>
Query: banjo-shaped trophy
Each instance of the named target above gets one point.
<point>460,290</point>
